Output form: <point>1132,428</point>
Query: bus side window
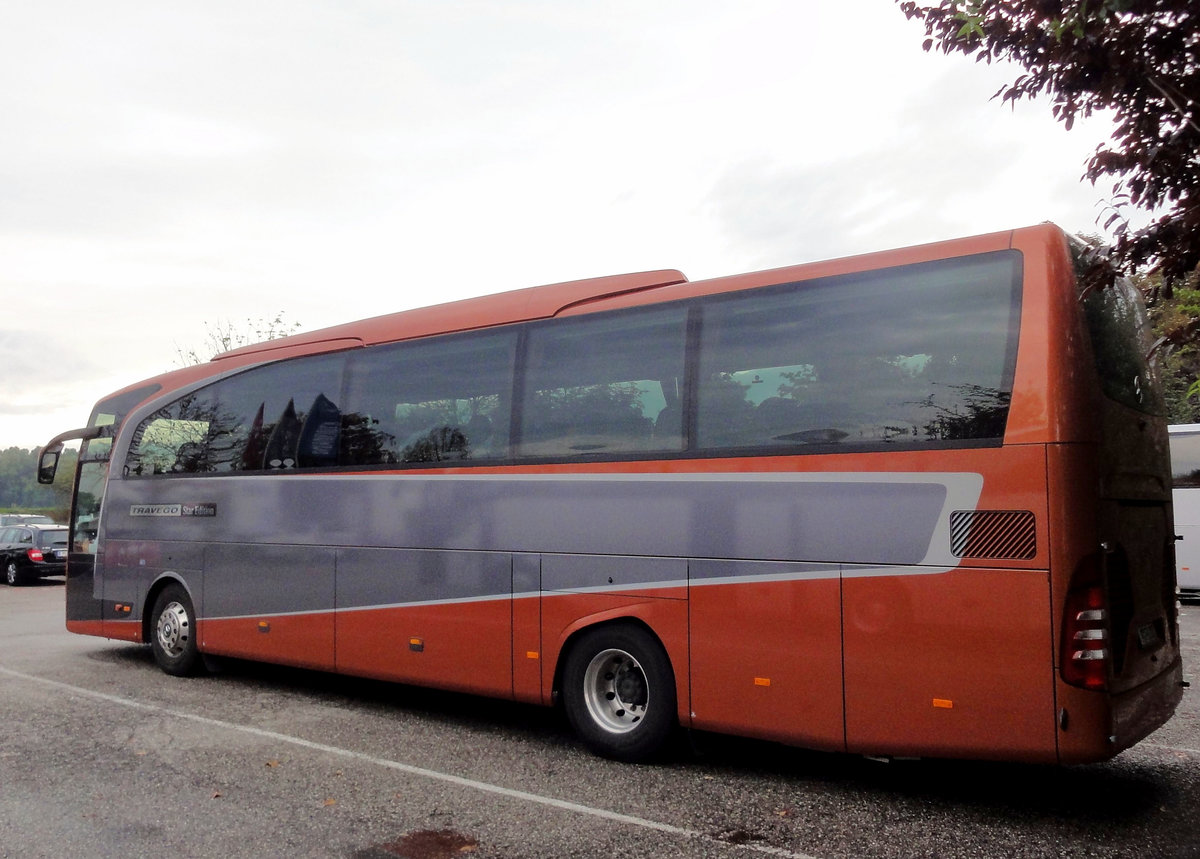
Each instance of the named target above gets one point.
<point>427,401</point>
<point>168,445</point>
<point>922,355</point>
<point>592,385</point>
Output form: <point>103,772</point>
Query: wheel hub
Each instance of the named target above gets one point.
<point>630,686</point>
<point>174,629</point>
<point>615,691</point>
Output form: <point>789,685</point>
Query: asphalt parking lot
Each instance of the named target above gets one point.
<point>102,755</point>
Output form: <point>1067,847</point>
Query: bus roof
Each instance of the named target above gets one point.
<point>576,296</point>
<point>542,302</point>
<point>521,305</point>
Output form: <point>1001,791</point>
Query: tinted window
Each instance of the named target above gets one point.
<point>909,355</point>
<point>1185,459</point>
<point>435,400</point>
<point>86,510</point>
<point>424,401</point>
<point>1123,342</point>
<point>912,355</point>
<point>110,413</point>
<point>604,385</point>
<point>281,416</point>
<point>55,537</point>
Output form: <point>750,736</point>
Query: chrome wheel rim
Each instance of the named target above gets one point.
<point>174,629</point>
<point>615,691</point>
<point>11,573</point>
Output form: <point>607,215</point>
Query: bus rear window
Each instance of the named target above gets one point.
<point>1123,343</point>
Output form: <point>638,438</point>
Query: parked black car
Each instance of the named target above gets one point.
<point>30,552</point>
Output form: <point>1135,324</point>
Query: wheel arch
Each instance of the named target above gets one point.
<point>583,628</point>
<point>161,583</point>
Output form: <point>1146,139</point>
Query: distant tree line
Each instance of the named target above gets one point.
<point>20,491</point>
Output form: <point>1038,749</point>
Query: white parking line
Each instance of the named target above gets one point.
<point>409,769</point>
<point>1184,749</point>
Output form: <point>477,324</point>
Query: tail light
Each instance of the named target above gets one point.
<point>35,555</point>
<point>1086,651</point>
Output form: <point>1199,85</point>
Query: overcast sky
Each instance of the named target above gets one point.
<point>168,165</point>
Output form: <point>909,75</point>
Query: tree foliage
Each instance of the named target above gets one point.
<point>223,335</point>
<point>1176,321</point>
<point>1139,59</point>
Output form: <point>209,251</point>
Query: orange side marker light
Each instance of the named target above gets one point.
<point>762,681</point>
<point>943,703</point>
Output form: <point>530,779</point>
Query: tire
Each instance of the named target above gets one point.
<point>173,633</point>
<point>12,575</point>
<point>619,692</point>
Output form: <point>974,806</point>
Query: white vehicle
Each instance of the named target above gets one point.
<point>1185,476</point>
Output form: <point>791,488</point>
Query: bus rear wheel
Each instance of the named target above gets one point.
<point>619,692</point>
<point>173,633</point>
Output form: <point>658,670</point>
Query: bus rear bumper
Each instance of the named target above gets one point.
<point>1139,712</point>
<point>1097,726</point>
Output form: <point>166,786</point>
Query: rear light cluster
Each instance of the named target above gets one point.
<point>35,555</point>
<point>1086,651</point>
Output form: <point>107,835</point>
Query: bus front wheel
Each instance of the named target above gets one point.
<point>619,692</point>
<point>173,632</point>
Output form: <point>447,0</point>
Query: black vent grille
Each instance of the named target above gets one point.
<point>998,534</point>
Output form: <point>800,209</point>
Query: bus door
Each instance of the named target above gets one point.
<point>84,606</point>
<point>83,592</point>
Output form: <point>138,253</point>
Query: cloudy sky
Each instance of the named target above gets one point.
<point>170,167</point>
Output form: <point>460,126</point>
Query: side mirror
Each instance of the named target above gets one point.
<point>48,464</point>
<point>48,461</point>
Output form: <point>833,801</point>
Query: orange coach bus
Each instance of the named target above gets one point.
<point>909,503</point>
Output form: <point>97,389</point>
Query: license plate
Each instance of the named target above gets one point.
<point>1148,636</point>
<point>60,555</point>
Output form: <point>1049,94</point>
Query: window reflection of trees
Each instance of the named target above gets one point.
<point>364,442</point>
<point>194,434</point>
<point>198,434</point>
<point>866,399</point>
<point>450,428</point>
<point>589,417</point>
<point>976,412</point>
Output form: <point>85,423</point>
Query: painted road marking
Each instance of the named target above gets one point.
<point>409,769</point>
